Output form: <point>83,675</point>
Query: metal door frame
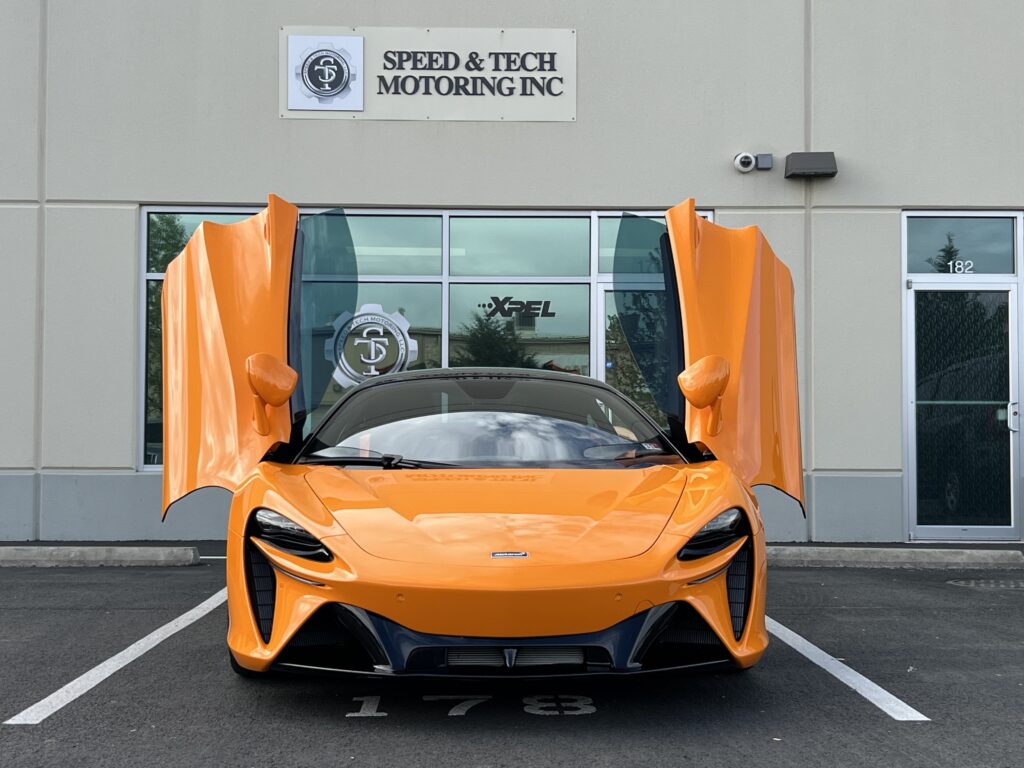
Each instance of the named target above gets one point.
<point>915,531</point>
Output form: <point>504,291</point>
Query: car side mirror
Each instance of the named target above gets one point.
<point>272,383</point>
<point>703,383</point>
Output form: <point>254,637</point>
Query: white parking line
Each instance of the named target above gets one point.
<point>881,698</point>
<point>83,684</point>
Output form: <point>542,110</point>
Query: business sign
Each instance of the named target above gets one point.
<point>405,73</point>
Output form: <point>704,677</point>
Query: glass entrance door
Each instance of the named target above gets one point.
<point>964,413</point>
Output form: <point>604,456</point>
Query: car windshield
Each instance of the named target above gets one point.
<point>490,421</point>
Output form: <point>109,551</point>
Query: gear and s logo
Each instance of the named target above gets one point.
<point>322,73</point>
<point>325,73</point>
<point>369,343</point>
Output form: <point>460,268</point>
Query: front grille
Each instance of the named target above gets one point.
<point>739,582</point>
<point>474,657</point>
<point>551,656</point>
<point>262,583</point>
<point>680,639</point>
<point>508,659</point>
<point>541,657</point>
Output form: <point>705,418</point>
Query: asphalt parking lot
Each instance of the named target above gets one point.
<point>953,653</point>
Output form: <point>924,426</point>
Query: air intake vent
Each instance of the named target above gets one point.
<point>738,580</point>
<point>333,638</point>
<point>542,657</point>
<point>681,639</point>
<point>516,658</point>
<point>262,584</point>
<point>475,657</point>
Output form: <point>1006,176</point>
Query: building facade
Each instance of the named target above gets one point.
<point>124,124</point>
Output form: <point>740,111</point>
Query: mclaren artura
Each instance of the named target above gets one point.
<point>481,521</point>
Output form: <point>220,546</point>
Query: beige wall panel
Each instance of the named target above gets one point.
<point>182,107</point>
<point>785,233</point>
<point>856,344</point>
<point>18,338</point>
<point>90,331</point>
<point>19,99</point>
<point>922,103</point>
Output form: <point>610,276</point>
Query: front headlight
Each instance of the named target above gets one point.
<point>723,530</point>
<point>287,535</point>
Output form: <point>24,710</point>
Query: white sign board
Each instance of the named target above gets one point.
<point>407,73</point>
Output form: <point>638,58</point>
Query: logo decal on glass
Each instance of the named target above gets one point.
<point>369,343</point>
<point>506,306</point>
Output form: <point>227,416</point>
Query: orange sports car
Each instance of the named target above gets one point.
<point>481,521</point>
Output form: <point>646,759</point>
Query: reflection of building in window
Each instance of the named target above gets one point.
<point>521,322</point>
<point>493,342</point>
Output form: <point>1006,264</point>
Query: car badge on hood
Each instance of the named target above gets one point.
<point>510,554</point>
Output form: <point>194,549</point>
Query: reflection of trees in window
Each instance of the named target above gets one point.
<point>491,343</point>
<point>637,329</point>
<point>947,255</point>
<point>961,345</point>
<point>955,328</point>
<point>166,239</point>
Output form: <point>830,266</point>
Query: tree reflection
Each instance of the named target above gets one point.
<point>166,239</point>
<point>638,329</point>
<point>947,255</point>
<point>488,342</point>
<point>954,327</point>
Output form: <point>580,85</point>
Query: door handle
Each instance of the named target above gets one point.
<point>1012,422</point>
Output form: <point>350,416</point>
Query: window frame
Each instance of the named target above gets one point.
<point>597,281</point>
<point>961,279</point>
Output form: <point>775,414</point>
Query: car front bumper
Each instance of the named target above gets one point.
<point>361,614</point>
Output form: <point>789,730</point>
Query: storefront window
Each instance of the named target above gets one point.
<point>949,245</point>
<point>521,326</point>
<point>336,243</point>
<point>630,245</point>
<point>634,325</point>
<point>336,356</point>
<point>520,245</point>
<point>374,293</point>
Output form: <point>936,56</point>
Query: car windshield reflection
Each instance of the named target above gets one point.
<point>496,422</point>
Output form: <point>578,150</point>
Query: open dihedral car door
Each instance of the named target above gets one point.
<point>736,303</point>
<point>225,350</point>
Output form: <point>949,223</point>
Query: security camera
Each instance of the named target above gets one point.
<point>745,162</point>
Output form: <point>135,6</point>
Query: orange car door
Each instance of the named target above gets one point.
<point>227,385</point>
<point>727,319</point>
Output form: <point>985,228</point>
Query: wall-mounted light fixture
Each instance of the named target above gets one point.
<point>805,165</point>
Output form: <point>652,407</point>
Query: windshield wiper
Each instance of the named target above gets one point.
<point>384,461</point>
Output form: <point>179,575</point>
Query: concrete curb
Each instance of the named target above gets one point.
<point>59,557</point>
<point>778,557</point>
<point>894,557</point>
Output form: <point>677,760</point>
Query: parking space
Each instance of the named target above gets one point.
<point>955,653</point>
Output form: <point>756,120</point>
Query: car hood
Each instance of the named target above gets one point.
<point>464,517</point>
